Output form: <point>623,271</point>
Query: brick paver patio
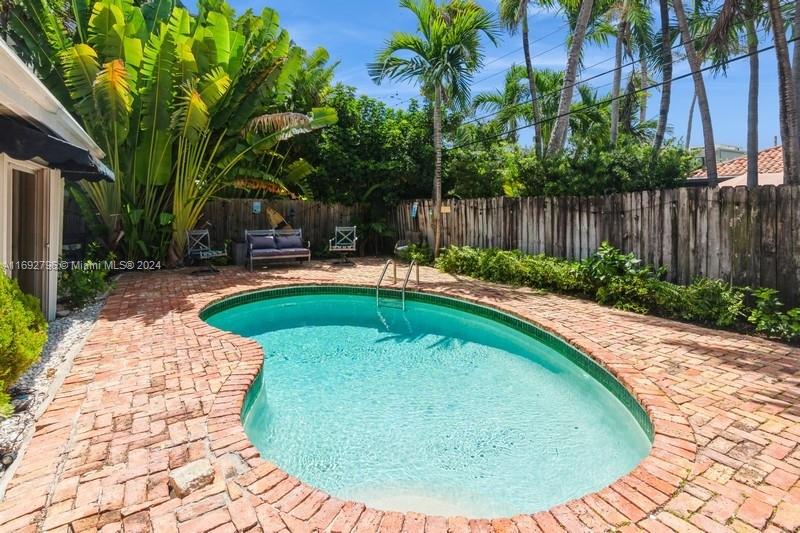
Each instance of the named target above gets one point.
<point>155,388</point>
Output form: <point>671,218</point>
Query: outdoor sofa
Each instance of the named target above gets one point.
<point>276,245</point>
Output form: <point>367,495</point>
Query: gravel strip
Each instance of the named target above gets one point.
<point>38,385</point>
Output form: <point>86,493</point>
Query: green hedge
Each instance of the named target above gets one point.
<point>620,280</point>
<point>23,332</point>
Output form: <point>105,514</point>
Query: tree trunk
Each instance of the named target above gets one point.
<point>787,97</point>
<point>796,66</point>
<point>437,170</point>
<point>617,81</point>
<point>558,137</point>
<point>688,141</point>
<point>643,82</point>
<point>700,91</point>
<point>752,105</point>
<point>5,15</point>
<point>537,116</point>
<point>666,88</point>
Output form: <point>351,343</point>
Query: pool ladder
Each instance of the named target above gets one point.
<point>391,262</point>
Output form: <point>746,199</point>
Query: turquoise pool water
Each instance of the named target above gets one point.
<point>433,410</point>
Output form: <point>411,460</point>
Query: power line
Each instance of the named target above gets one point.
<point>625,95</point>
<point>600,75</point>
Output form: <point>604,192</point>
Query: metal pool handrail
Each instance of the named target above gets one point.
<point>405,281</point>
<point>380,279</point>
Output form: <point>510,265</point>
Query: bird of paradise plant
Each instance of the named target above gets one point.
<point>168,96</point>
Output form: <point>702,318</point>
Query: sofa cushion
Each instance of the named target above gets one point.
<point>277,252</point>
<point>262,243</point>
<point>294,251</point>
<point>267,252</point>
<point>289,241</point>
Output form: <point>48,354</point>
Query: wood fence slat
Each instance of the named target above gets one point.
<point>747,237</point>
<point>786,233</point>
<point>765,250</point>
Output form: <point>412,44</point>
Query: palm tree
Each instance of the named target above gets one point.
<point>559,135</point>
<point>787,97</point>
<point>666,76</point>
<point>507,104</point>
<point>700,90</point>
<point>796,64</point>
<point>441,58</point>
<point>514,15</point>
<point>735,17</point>
<point>632,19</point>
<point>547,84</point>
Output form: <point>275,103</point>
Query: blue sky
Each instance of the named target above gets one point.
<point>354,30</point>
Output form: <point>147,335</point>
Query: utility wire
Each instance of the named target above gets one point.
<point>601,74</point>
<point>625,95</point>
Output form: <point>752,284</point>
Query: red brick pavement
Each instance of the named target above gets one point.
<point>155,388</point>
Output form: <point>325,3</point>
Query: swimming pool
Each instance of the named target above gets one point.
<point>446,408</point>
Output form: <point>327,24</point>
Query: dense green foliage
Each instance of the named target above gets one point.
<point>78,286</point>
<point>23,332</point>
<point>374,152</point>
<point>628,166</point>
<point>421,253</point>
<point>620,280</point>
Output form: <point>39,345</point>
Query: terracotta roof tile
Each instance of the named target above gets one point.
<point>769,161</point>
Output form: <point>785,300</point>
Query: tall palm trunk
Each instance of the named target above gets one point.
<point>437,170</point>
<point>796,65</point>
<point>537,115</point>
<point>558,137</point>
<point>787,97</point>
<point>700,91</point>
<point>752,105</point>
<point>666,66</point>
<point>643,81</point>
<point>615,88</point>
<point>688,141</point>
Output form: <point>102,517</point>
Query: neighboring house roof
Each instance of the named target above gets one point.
<point>43,127</point>
<point>770,162</point>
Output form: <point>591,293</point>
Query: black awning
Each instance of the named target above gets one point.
<point>20,140</point>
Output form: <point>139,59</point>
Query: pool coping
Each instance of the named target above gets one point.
<point>673,440</point>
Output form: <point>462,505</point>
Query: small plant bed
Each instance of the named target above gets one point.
<point>620,280</point>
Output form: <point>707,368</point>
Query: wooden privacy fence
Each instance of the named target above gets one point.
<point>229,218</point>
<point>747,237</point>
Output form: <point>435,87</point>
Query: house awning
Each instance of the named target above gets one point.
<point>20,140</point>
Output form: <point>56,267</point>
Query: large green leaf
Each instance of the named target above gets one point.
<point>191,115</point>
<point>153,153</point>
<point>187,64</point>
<point>284,85</point>
<point>237,53</point>
<point>133,57</point>
<point>107,29</point>
<point>155,12</point>
<point>213,86</point>
<point>80,67</point>
<point>81,11</point>
<point>113,96</point>
<point>135,26</point>
<point>322,117</point>
<point>219,30</point>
